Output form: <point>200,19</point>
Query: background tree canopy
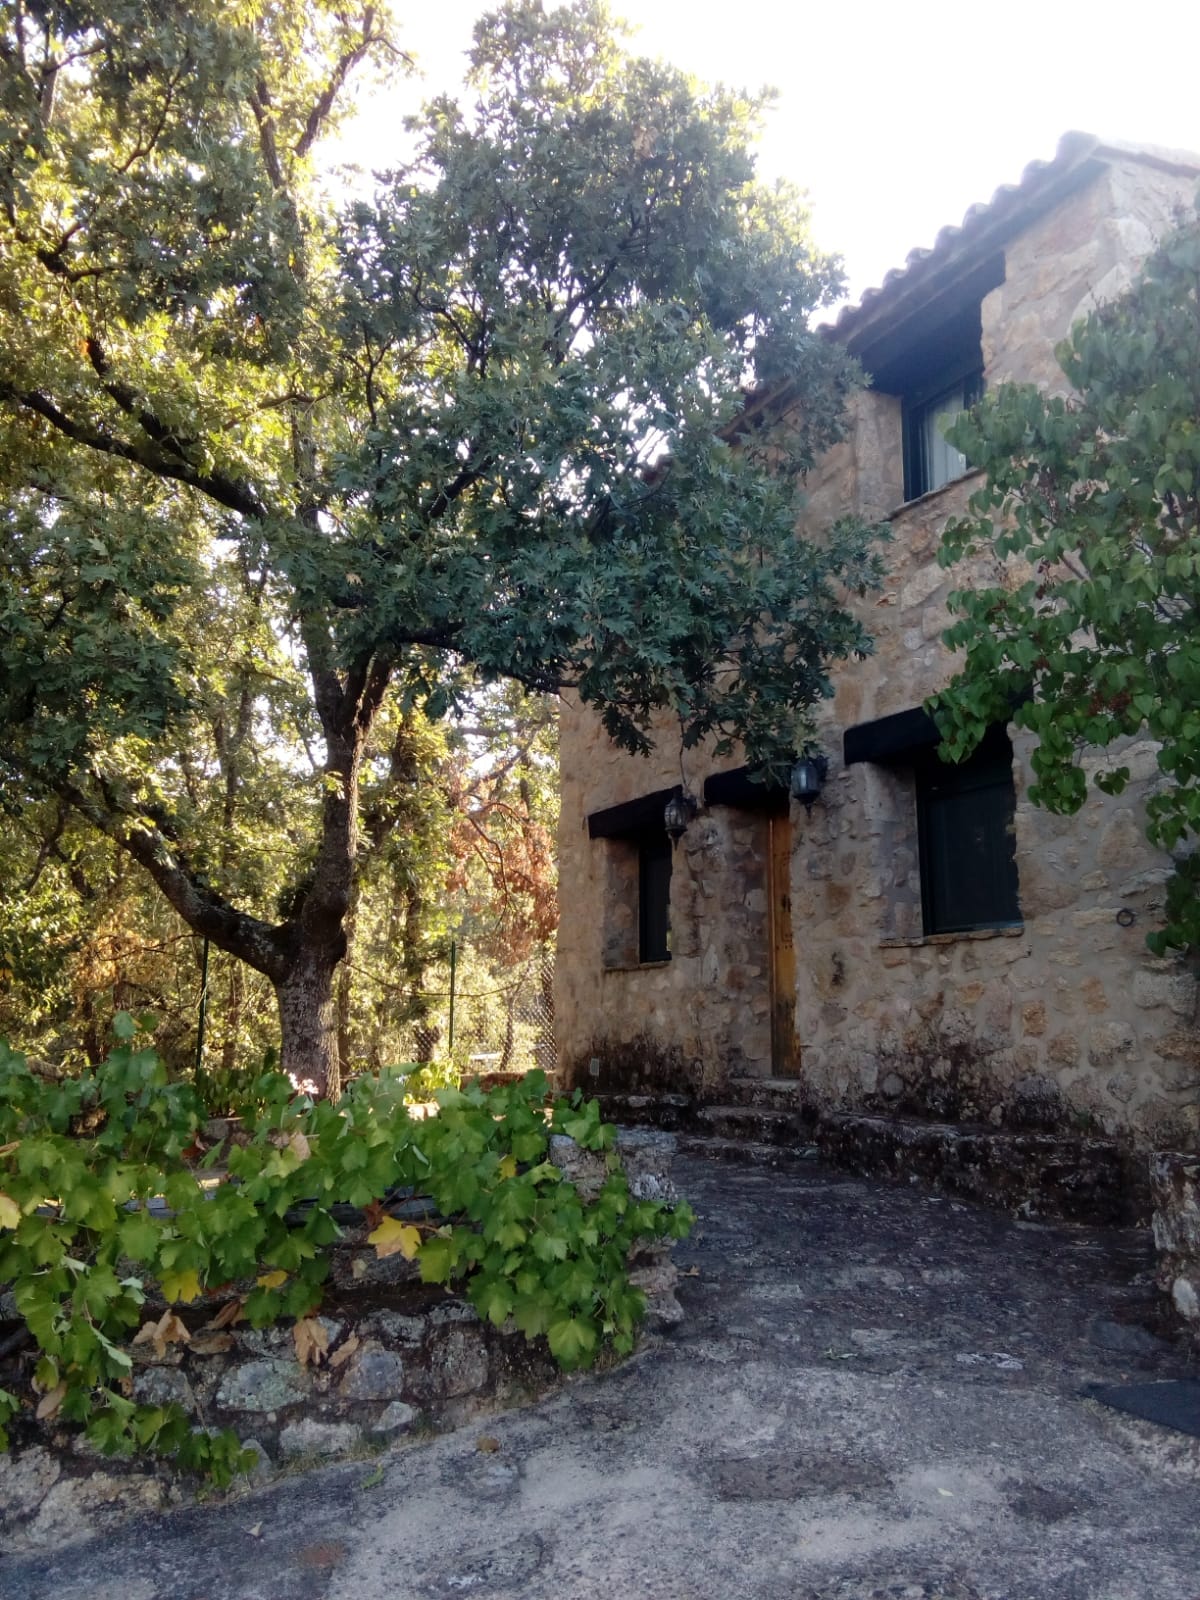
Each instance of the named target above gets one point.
<point>1093,503</point>
<point>279,476</point>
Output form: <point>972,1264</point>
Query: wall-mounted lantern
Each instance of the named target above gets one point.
<point>678,813</point>
<point>808,779</point>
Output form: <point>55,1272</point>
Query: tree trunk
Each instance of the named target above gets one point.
<point>308,1022</point>
<point>233,1017</point>
<point>509,1028</point>
<point>345,993</point>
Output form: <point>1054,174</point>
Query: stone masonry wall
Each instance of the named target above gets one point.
<point>1067,1022</point>
<point>687,1022</point>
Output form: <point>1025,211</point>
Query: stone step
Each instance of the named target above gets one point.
<point>779,1093</point>
<point>667,1111</point>
<point>745,1150</point>
<point>759,1124</point>
<point>1069,1177</point>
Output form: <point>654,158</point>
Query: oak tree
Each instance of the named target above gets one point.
<point>278,470</point>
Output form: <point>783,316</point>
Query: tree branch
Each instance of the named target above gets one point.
<point>342,69</point>
<point>258,943</point>
<point>217,486</point>
<point>260,104</point>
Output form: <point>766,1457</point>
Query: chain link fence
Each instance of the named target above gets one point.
<point>489,1020</point>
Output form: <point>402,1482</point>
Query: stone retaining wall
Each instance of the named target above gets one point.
<point>1175,1191</point>
<point>403,1358</point>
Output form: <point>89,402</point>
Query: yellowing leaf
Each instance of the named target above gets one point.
<point>392,1236</point>
<point>508,1167</point>
<point>272,1280</point>
<point>183,1286</point>
<point>311,1341</point>
<point>10,1211</point>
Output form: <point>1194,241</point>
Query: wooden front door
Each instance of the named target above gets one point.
<point>785,1052</point>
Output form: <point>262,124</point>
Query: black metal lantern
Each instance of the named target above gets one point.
<point>677,814</point>
<point>808,779</point>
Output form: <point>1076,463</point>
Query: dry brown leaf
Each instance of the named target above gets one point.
<point>48,1405</point>
<point>311,1341</point>
<point>167,1330</point>
<point>344,1351</point>
<point>229,1313</point>
<point>212,1344</point>
<point>295,1140</point>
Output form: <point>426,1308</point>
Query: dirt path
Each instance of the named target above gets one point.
<point>876,1393</point>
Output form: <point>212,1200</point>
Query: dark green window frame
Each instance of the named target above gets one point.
<point>654,897</point>
<point>925,467</point>
<point>966,837</point>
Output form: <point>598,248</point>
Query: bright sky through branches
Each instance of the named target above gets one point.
<point>895,117</point>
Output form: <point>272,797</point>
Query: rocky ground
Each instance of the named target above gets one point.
<point>876,1393</point>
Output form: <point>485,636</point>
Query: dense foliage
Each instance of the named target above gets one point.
<point>463,849</point>
<point>275,475</point>
<point>1092,502</point>
<point>93,1267</point>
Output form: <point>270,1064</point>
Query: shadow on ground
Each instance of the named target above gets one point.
<point>876,1393</point>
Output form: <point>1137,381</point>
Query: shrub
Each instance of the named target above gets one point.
<point>101,1210</point>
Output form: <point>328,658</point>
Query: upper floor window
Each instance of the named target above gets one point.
<point>930,460</point>
<point>926,349</point>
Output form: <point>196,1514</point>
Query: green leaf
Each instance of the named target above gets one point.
<point>572,1341</point>
<point>436,1261</point>
<point>493,1299</point>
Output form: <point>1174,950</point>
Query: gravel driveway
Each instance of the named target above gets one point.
<point>876,1392</point>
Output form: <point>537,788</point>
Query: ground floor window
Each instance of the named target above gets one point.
<point>966,839</point>
<point>636,923</point>
<point>654,898</point>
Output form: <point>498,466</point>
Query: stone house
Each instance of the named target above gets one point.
<point>921,941</point>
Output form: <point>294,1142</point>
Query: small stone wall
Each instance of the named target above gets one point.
<point>1175,1192</point>
<point>1077,1179</point>
<point>403,1358</point>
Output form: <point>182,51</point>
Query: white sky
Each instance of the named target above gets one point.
<point>895,117</point>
